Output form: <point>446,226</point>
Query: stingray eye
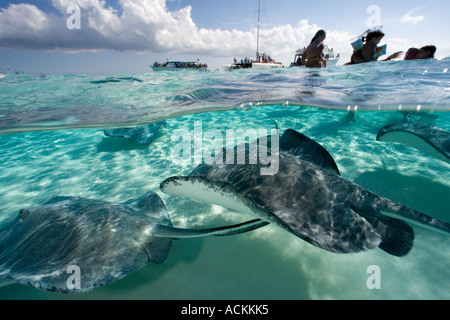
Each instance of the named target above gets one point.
<point>24,213</point>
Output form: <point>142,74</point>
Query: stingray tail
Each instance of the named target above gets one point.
<point>176,233</point>
<point>397,211</point>
<point>391,220</point>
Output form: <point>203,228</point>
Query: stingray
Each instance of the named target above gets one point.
<point>115,80</point>
<point>307,197</point>
<point>106,241</point>
<point>142,135</point>
<point>419,135</point>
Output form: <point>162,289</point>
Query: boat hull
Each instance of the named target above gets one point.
<point>161,69</point>
<point>257,65</point>
<point>330,63</point>
<point>254,65</point>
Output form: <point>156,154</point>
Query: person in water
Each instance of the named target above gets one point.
<point>313,55</point>
<point>367,53</point>
<point>426,52</point>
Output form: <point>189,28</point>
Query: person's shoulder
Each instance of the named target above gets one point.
<point>411,54</point>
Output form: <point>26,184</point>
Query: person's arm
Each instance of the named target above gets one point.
<point>321,59</point>
<point>393,56</point>
<point>304,56</point>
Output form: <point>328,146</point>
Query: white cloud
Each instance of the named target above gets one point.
<point>408,18</point>
<point>397,44</point>
<point>145,26</point>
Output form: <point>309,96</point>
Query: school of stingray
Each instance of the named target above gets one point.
<point>111,240</point>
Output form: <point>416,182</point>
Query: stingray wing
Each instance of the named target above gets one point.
<point>209,191</point>
<point>421,136</point>
<point>340,229</point>
<point>308,150</point>
<point>102,239</point>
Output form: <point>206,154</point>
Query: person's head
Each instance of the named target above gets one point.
<point>320,36</point>
<point>374,36</point>
<point>426,52</point>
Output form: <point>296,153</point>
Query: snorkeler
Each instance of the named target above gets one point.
<point>370,51</point>
<point>426,52</point>
<point>313,56</point>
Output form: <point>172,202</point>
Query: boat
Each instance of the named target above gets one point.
<point>298,58</point>
<point>331,57</point>
<point>179,65</point>
<point>7,71</point>
<point>244,64</point>
<point>328,54</point>
<point>263,61</point>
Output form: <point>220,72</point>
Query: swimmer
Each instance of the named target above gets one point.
<point>313,56</point>
<point>367,53</point>
<point>426,52</point>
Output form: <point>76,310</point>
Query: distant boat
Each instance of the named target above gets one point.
<point>331,57</point>
<point>179,65</point>
<point>328,54</point>
<point>263,61</point>
<point>7,71</point>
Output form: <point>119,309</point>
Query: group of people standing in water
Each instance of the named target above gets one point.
<point>313,55</point>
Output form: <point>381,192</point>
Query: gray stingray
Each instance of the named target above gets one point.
<point>419,135</point>
<point>115,80</point>
<point>106,241</point>
<point>142,135</point>
<point>307,197</point>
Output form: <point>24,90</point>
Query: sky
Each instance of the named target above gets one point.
<point>126,36</point>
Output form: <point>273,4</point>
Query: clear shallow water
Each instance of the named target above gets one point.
<point>268,263</point>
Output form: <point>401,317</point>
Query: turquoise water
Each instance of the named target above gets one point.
<point>53,144</point>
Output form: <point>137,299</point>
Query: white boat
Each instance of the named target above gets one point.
<point>328,54</point>
<point>267,65</point>
<point>7,71</point>
<point>179,65</point>
<point>263,61</point>
<point>331,57</point>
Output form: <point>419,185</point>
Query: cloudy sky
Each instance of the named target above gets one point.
<point>112,36</point>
